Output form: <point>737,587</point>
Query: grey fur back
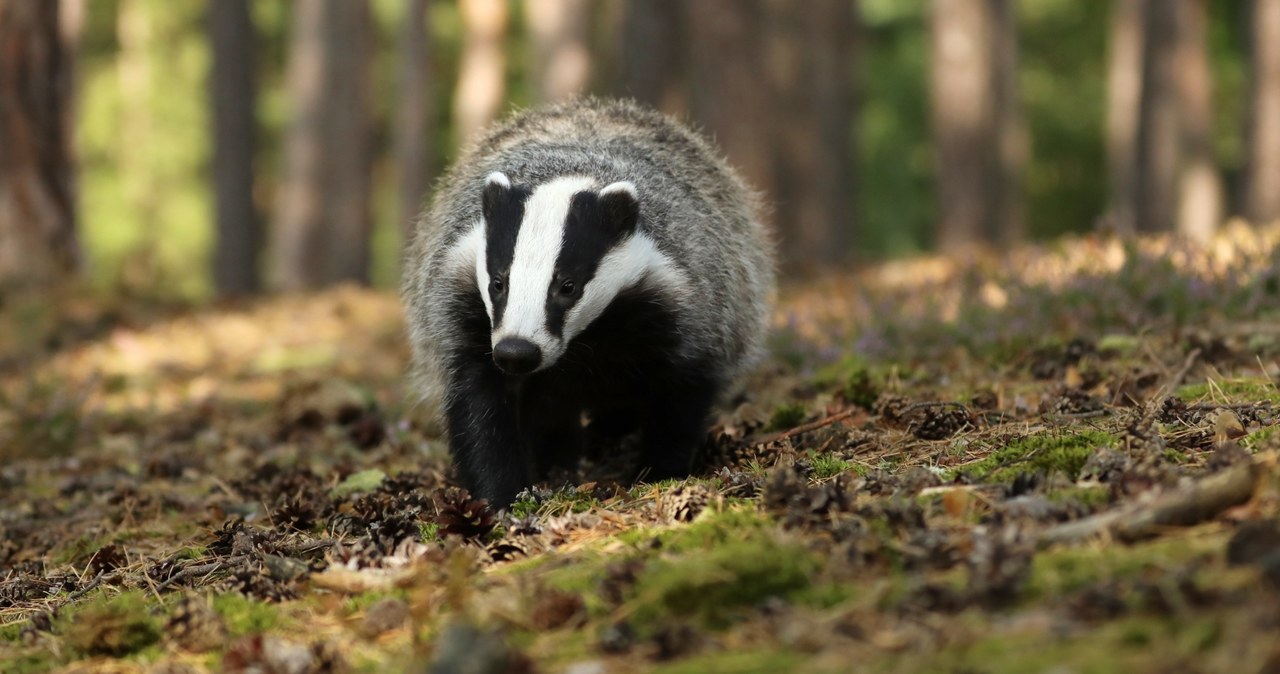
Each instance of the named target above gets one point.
<point>694,206</point>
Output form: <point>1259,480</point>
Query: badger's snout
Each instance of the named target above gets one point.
<point>517,356</point>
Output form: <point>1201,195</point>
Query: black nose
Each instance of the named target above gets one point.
<point>517,356</point>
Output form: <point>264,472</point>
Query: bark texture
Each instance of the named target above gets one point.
<point>414,121</point>
<point>37,204</point>
<point>239,237</point>
<point>322,233</point>
<point>652,55</point>
<point>1200,187</point>
<point>1262,172</point>
<point>1124,105</point>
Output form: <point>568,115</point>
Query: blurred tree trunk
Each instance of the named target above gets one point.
<point>1200,193</point>
<point>651,62</point>
<point>558,42</point>
<point>414,127</point>
<point>810,50</point>
<point>963,119</point>
<point>1159,126</point>
<point>481,75</point>
<point>235,260</point>
<point>730,96</point>
<point>322,234</point>
<point>1262,171</point>
<point>1008,223</point>
<point>37,204</point>
<point>1124,102</point>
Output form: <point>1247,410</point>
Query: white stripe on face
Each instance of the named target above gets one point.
<point>625,266</point>
<point>537,246</point>
<point>470,250</point>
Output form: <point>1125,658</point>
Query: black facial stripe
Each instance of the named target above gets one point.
<point>588,237</point>
<point>503,213</point>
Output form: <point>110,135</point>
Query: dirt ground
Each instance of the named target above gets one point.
<point>1059,460</point>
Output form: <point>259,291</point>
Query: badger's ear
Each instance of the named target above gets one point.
<point>620,205</point>
<point>497,190</point>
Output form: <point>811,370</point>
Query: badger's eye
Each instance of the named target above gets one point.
<point>567,287</point>
<point>496,284</point>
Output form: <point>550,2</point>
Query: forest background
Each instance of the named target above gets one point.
<point>233,146</point>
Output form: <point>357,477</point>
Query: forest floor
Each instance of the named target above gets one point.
<point>1064,460</point>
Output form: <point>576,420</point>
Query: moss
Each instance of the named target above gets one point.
<point>1242,390</point>
<point>826,466</point>
<point>112,626</point>
<point>736,662</point>
<point>712,529</point>
<point>1139,643</point>
<point>1059,572</point>
<point>360,602</point>
<point>524,507</point>
<point>363,481</point>
<point>716,584</point>
<point>428,532</point>
<point>568,500</point>
<point>860,389</point>
<point>1118,344</point>
<point>78,550</point>
<point>1263,438</point>
<point>785,416</point>
<point>28,663</point>
<point>246,616</point>
<point>1048,452</point>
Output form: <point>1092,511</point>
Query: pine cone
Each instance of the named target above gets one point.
<point>460,515</point>
<point>938,423</point>
<point>194,626</point>
<point>683,503</point>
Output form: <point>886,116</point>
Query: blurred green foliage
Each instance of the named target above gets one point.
<point>144,145</point>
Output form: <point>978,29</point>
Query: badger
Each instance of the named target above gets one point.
<point>586,266</point>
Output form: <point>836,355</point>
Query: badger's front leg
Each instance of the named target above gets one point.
<point>673,426</point>
<point>551,425</point>
<point>484,434</point>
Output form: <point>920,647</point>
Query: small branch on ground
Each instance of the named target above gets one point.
<point>1195,503</point>
<point>804,428</point>
<point>200,570</point>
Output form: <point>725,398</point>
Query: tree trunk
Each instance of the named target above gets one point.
<point>37,205</point>
<point>481,75</point>
<point>1159,129</point>
<point>1124,102</point>
<point>558,41</point>
<point>322,234</point>
<point>414,127</point>
<point>730,98</point>
<point>235,260</point>
<point>960,87</point>
<point>1200,196</point>
<point>1008,224</point>
<point>1262,171</point>
<point>810,50</point>
<point>651,62</point>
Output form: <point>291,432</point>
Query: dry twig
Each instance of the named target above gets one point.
<point>1189,505</point>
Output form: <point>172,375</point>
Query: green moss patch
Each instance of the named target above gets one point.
<point>1064,452</point>
<point>1248,389</point>
<point>114,626</point>
<point>716,585</point>
<point>246,616</point>
<point>787,416</point>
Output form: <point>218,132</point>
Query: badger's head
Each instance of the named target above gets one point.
<point>551,258</point>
